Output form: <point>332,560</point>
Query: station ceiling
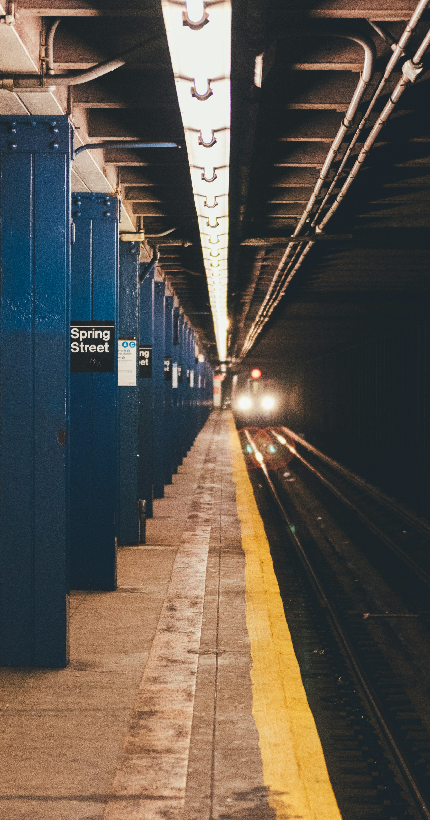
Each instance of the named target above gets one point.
<point>295,67</point>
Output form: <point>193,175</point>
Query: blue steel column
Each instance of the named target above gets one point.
<point>191,388</point>
<point>209,379</point>
<point>184,446</point>
<point>168,399</point>
<point>186,393</point>
<point>175,389</point>
<point>93,398</point>
<point>199,410</point>
<point>158,386</point>
<point>195,386</point>
<point>204,392</point>
<point>34,328</point>
<point>190,363</point>
<point>128,398</point>
<point>146,393</point>
<point>181,390</point>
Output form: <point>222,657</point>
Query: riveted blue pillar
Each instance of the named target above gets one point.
<point>158,385</point>
<point>190,382</point>
<point>199,408</point>
<point>128,395</point>
<point>193,387</point>
<point>187,389</point>
<point>34,320</point>
<point>203,393</point>
<point>168,399</point>
<point>146,393</point>
<point>93,392</point>
<point>175,390</point>
<point>209,391</point>
<point>181,391</point>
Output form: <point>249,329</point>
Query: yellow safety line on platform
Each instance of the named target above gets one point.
<point>294,767</point>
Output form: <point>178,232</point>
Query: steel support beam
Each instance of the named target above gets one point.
<point>158,386</point>
<point>94,392</point>
<point>128,395</point>
<point>168,398</point>
<point>146,393</point>
<point>34,380</point>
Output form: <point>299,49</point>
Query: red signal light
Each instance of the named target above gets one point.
<point>255,373</point>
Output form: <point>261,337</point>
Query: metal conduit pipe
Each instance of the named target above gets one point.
<point>50,44</point>
<point>267,307</point>
<point>89,73</point>
<point>398,52</point>
<point>36,82</point>
<point>271,299</point>
<point>410,71</point>
<point>365,77</point>
<point>384,33</point>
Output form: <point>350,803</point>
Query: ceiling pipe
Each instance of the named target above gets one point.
<point>272,298</point>
<point>398,52</point>
<point>410,71</point>
<point>366,75</point>
<point>157,235</point>
<point>40,82</point>
<point>265,242</point>
<point>384,33</point>
<point>50,44</point>
<point>248,297</point>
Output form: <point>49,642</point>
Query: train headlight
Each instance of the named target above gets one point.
<point>268,403</point>
<point>244,403</point>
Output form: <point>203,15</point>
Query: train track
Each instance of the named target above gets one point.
<point>363,641</point>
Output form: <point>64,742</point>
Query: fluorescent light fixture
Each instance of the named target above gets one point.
<point>199,37</point>
<point>195,10</point>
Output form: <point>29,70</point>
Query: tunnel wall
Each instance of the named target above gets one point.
<point>368,407</point>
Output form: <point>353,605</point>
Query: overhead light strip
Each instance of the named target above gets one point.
<point>199,38</point>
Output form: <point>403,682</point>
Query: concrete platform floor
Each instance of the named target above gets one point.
<point>153,716</point>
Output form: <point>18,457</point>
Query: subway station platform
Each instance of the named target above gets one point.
<point>183,697</point>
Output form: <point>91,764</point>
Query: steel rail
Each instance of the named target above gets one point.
<point>364,485</point>
<point>364,685</point>
<point>421,573</point>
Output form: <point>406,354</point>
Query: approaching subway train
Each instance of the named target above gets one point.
<point>255,400</point>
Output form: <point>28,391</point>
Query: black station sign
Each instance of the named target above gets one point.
<point>145,361</point>
<point>167,368</point>
<point>92,347</point>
